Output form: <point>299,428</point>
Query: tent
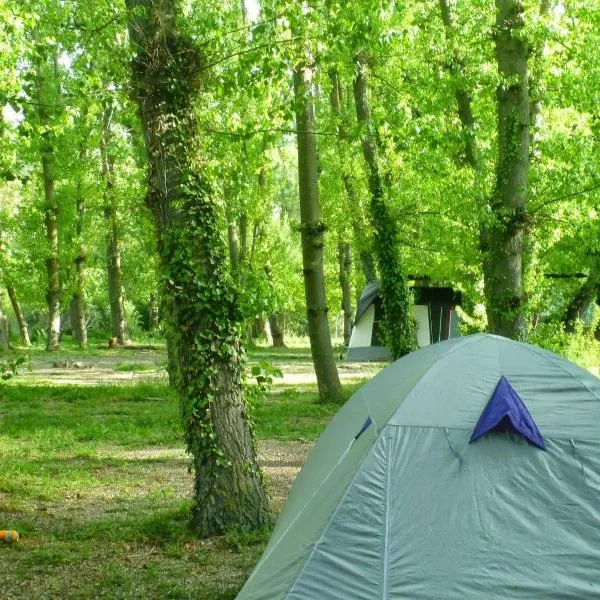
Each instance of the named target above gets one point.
<point>433,312</point>
<point>468,469</point>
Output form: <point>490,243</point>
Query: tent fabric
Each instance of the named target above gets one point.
<point>370,292</point>
<point>506,409</point>
<point>410,509</point>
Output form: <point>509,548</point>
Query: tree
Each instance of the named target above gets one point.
<point>113,237</point>
<point>509,213</point>
<point>47,90</point>
<point>355,208</point>
<point>396,296</point>
<point>312,232</point>
<point>201,310</point>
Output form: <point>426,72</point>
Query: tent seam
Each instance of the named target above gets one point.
<point>463,342</point>
<point>263,560</point>
<point>387,535</point>
<point>337,464</point>
<point>333,514</point>
<point>469,429</point>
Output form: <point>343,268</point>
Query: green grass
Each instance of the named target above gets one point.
<point>96,481</point>
<point>134,367</point>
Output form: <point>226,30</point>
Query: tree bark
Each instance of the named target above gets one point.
<point>312,233</point>
<point>509,203</point>
<point>201,308</point>
<point>23,329</point>
<point>345,276</point>
<point>395,292</point>
<point>355,211</point>
<point>113,240</point>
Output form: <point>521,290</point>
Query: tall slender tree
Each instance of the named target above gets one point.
<point>113,237</point>
<point>77,307</point>
<point>355,209</point>
<point>312,232</point>
<point>47,92</point>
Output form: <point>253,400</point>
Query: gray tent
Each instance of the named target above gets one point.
<point>394,502</point>
<point>433,312</point>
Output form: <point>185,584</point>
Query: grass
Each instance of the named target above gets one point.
<point>134,367</point>
<point>96,481</point>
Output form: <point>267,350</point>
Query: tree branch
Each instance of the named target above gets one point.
<point>565,197</point>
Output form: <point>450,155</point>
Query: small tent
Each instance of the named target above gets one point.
<point>433,312</point>
<point>468,469</point>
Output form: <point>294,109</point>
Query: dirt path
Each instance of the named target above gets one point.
<point>127,367</point>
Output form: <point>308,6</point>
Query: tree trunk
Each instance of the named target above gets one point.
<point>4,345</point>
<point>202,310</point>
<point>583,299</point>
<point>396,298</point>
<point>504,256</point>
<point>113,240</point>
<point>51,208</point>
<point>23,329</point>
<point>536,87</point>
<point>471,151</point>
<point>234,250</point>
<point>76,307</point>
<point>243,239</point>
<point>312,232</point>
<point>52,267</point>
<point>355,209</point>
<point>276,327</point>
<point>153,314</point>
<point>345,275</point>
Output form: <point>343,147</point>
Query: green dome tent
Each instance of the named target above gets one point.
<point>469,469</point>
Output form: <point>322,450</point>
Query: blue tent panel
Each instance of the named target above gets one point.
<point>506,411</point>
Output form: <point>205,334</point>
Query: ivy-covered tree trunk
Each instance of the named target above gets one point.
<point>312,231</point>
<point>504,255</point>
<point>345,277</point>
<point>396,297</point>
<point>22,322</point>
<point>113,240</point>
<point>355,209</point>
<point>201,308</point>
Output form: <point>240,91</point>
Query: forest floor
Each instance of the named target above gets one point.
<point>94,476</point>
<point>121,365</point>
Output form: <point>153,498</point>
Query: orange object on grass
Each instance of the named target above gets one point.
<point>9,536</point>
